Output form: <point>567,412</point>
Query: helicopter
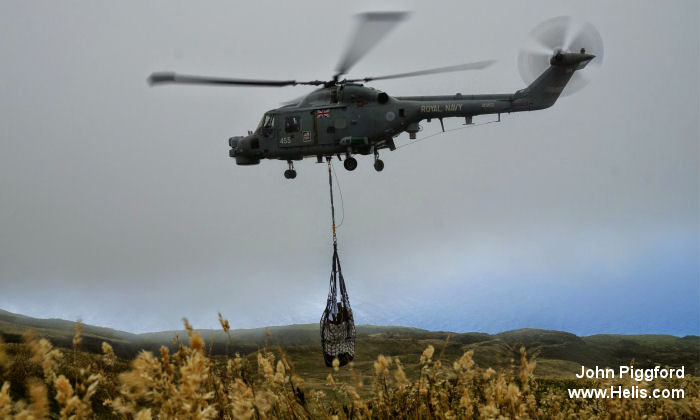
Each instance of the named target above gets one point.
<point>343,117</point>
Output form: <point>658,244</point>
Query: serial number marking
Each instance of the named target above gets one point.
<point>439,108</point>
<point>286,140</point>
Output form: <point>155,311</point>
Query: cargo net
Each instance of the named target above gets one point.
<point>337,324</point>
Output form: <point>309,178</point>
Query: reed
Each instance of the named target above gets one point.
<point>189,383</point>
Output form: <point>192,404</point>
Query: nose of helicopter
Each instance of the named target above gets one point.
<point>245,149</point>
<point>244,143</point>
<point>233,143</point>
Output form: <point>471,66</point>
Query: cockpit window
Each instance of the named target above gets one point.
<point>267,123</point>
<point>291,124</point>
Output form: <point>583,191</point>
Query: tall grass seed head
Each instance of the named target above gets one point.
<point>108,356</point>
<point>78,337</point>
<point>382,364</point>
<point>224,323</point>
<point>427,355</point>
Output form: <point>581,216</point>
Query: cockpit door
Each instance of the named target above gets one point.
<point>294,131</point>
<point>267,127</point>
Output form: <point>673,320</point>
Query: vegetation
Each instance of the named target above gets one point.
<point>40,381</point>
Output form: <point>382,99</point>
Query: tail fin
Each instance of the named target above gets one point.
<point>545,90</point>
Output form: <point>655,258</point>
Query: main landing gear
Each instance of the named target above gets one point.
<point>350,163</point>
<point>378,163</point>
<point>290,173</point>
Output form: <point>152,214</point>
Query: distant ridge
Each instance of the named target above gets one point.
<point>557,352</point>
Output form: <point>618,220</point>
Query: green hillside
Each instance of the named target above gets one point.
<point>559,354</point>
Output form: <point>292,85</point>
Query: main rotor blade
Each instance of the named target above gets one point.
<point>162,78</point>
<point>372,28</point>
<point>478,65</point>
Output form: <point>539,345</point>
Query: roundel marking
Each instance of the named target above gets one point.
<point>390,116</point>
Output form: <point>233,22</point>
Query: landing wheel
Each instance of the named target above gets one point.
<point>350,163</point>
<point>378,165</point>
<point>290,173</point>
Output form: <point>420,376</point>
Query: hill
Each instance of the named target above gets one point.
<point>559,354</point>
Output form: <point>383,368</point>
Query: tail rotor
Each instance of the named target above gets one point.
<point>560,34</point>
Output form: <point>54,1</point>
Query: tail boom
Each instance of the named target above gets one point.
<point>540,94</point>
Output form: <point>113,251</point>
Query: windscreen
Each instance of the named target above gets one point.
<point>267,121</point>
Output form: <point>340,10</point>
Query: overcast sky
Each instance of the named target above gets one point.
<point>119,204</point>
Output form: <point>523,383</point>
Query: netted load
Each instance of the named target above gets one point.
<point>337,323</point>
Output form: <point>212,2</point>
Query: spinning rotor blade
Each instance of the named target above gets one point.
<point>587,37</point>
<point>372,28</point>
<point>531,64</point>
<point>162,78</point>
<point>552,33</point>
<point>478,65</point>
<point>561,33</point>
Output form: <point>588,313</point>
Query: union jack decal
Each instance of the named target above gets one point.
<point>323,113</point>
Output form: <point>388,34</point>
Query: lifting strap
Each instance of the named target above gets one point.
<point>336,260</point>
<point>336,272</point>
<point>330,184</point>
<point>337,323</point>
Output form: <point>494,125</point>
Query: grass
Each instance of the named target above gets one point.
<point>430,377</point>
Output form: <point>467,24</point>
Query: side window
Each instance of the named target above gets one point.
<point>291,124</point>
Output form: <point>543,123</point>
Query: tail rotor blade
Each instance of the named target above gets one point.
<point>577,82</point>
<point>588,37</point>
<point>532,64</point>
<point>561,33</point>
<point>552,33</point>
<point>585,36</point>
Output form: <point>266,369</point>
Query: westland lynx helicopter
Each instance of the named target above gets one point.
<point>344,117</point>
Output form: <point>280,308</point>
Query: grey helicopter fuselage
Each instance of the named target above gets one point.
<point>349,118</point>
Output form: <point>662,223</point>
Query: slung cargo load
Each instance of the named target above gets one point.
<point>337,323</point>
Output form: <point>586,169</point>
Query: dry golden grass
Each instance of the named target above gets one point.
<point>190,383</point>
